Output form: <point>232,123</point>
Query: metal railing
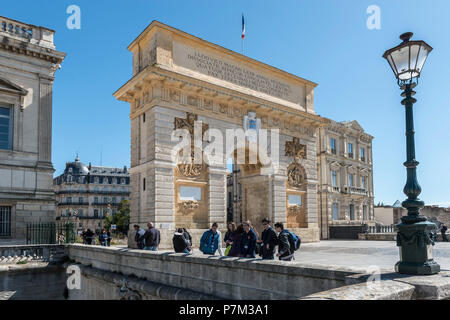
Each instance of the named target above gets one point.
<point>51,233</point>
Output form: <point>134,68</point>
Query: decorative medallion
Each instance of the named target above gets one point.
<point>296,175</point>
<point>190,169</point>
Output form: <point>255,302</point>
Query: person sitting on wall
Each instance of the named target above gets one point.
<point>139,236</point>
<point>210,240</point>
<point>180,243</point>
<point>152,238</point>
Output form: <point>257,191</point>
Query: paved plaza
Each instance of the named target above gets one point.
<point>357,255</point>
<point>363,254</point>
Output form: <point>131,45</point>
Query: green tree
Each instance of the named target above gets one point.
<point>121,218</point>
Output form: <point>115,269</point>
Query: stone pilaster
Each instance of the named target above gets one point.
<point>217,190</point>
<point>45,121</point>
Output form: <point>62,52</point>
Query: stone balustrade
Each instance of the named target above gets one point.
<point>381,229</point>
<point>27,253</point>
<point>26,32</point>
<point>355,190</point>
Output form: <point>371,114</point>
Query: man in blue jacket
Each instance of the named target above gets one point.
<point>210,241</point>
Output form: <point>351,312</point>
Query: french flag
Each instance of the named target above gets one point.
<point>243,27</point>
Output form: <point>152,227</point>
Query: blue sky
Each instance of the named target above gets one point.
<point>325,41</point>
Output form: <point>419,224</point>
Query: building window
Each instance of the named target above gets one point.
<point>95,200</point>
<point>363,182</point>
<point>143,185</point>
<point>352,212</point>
<point>69,199</point>
<point>113,200</point>
<point>364,212</point>
<point>333,145</point>
<point>362,153</point>
<point>5,221</point>
<point>350,179</point>
<point>80,200</point>
<point>80,213</point>
<point>6,128</point>
<point>96,213</point>
<point>333,178</point>
<point>335,211</point>
<point>143,117</point>
<point>350,150</point>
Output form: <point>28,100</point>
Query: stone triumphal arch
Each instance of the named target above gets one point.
<point>180,80</point>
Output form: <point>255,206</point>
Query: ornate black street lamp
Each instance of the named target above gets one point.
<point>414,236</point>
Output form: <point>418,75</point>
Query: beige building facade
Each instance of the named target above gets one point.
<point>86,194</point>
<point>179,80</point>
<point>28,61</point>
<point>345,173</point>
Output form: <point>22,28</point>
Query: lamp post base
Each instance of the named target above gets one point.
<point>416,242</point>
<point>424,269</point>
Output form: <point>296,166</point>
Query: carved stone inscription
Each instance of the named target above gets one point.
<point>222,69</point>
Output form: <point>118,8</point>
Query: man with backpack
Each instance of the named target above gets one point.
<point>288,242</point>
<point>210,241</point>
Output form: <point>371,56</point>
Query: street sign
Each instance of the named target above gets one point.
<point>113,227</point>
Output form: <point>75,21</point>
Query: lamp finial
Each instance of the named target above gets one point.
<point>406,36</point>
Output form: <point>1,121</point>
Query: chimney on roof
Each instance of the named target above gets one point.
<point>125,169</point>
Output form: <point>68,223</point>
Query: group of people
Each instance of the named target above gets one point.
<point>244,241</point>
<point>240,241</point>
<point>104,237</point>
<point>151,238</point>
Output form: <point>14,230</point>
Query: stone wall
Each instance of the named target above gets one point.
<point>33,281</point>
<point>226,277</point>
